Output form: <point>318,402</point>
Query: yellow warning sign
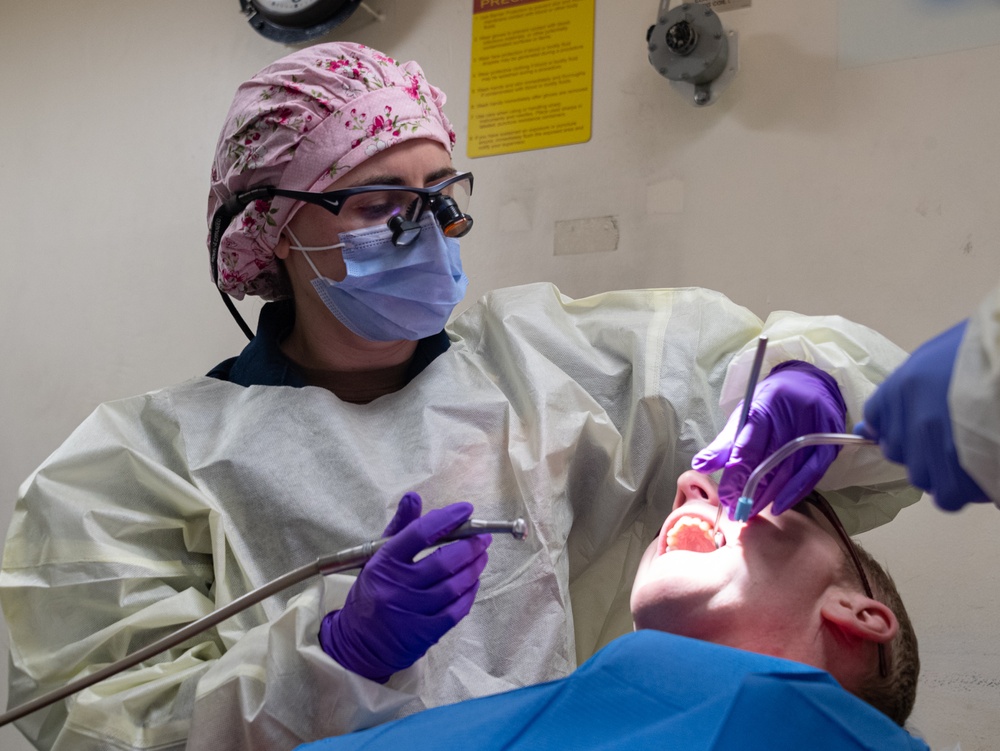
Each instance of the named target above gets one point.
<point>532,76</point>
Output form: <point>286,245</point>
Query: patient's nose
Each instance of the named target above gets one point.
<point>695,486</point>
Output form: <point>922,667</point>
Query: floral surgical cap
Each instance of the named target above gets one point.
<point>300,124</point>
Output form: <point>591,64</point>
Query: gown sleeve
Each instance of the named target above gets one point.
<point>112,546</point>
<point>974,397</point>
<point>865,488</point>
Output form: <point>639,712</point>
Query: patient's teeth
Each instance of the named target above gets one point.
<point>691,533</point>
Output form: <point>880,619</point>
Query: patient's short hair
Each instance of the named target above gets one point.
<point>896,693</point>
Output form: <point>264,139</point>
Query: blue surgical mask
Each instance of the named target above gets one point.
<point>392,293</point>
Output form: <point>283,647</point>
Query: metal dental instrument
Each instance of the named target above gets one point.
<point>810,439</point>
<point>344,560</point>
<point>758,362</point>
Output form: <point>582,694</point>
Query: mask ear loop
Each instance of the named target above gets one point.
<point>307,249</point>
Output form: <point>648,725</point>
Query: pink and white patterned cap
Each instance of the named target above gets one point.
<point>300,124</point>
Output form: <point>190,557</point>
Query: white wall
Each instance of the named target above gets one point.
<point>870,192</point>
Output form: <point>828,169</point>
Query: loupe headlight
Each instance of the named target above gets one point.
<point>404,231</point>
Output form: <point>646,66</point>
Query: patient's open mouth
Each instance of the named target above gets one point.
<point>694,534</point>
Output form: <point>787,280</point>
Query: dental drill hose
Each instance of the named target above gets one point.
<point>344,560</point>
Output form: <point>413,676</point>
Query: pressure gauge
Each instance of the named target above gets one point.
<point>294,21</point>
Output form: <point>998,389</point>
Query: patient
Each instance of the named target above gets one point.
<point>785,586</point>
<point>747,646</point>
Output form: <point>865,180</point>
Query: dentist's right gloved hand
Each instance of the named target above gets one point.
<point>909,417</point>
<point>398,608</point>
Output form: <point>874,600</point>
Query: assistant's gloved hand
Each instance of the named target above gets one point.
<point>909,417</point>
<point>398,608</point>
<point>795,399</point>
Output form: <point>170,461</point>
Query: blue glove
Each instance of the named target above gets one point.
<point>795,399</point>
<point>398,608</point>
<point>908,415</point>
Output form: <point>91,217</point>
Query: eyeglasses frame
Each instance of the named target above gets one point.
<point>821,503</point>
<point>333,201</point>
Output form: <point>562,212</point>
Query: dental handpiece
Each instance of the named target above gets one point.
<point>343,560</point>
<point>357,556</point>
<point>745,505</point>
<point>758,362</point>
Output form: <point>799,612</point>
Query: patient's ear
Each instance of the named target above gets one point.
<point>857,616</point>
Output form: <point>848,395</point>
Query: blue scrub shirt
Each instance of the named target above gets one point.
<point>262,363</point>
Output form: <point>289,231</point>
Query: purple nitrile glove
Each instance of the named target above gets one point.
<point>795,399</point>
<point>909,417</point>
<point>398,608</point>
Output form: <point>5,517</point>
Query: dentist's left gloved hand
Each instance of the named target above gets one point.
<point>795,399</point>
<point>399,608</point>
